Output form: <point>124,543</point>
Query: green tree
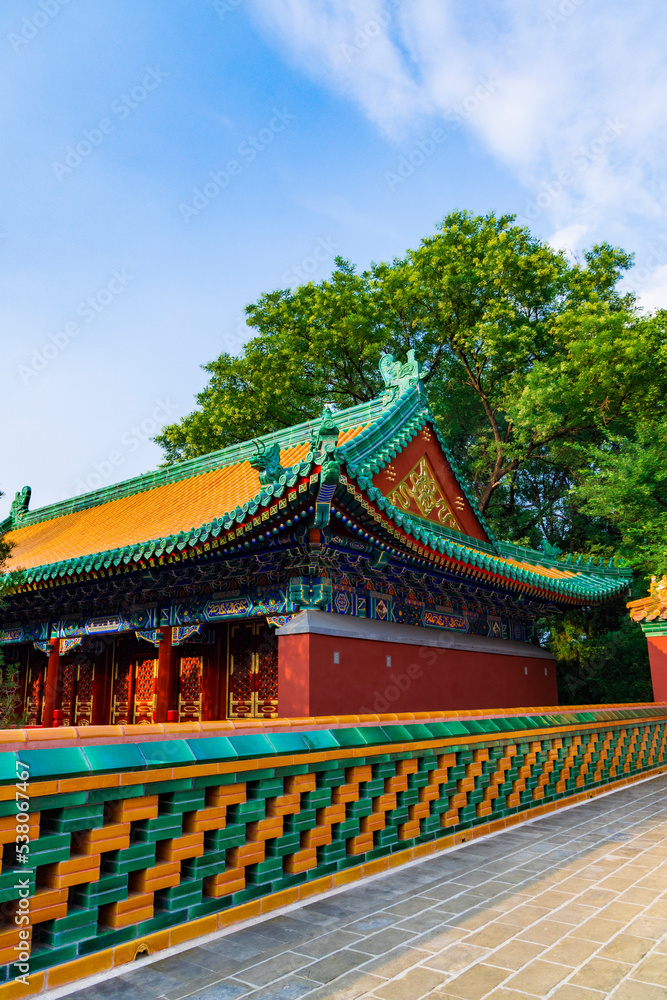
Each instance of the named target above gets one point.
<point>525,356</point>
<point>542,374</point>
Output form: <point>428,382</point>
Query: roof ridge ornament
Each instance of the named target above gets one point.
<point>399,377</point>
<point>20,504</point>
<point>324,444</point>
<point>267,462</point>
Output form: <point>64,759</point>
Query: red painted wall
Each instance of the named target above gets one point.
<point>420,678</point>
<point>657,655</point>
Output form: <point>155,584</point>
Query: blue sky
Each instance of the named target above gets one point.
<point>164,163</point>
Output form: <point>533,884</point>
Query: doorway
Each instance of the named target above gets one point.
<point>253,671</point>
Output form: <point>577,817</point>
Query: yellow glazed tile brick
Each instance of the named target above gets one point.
<point>185,932</point>
<point>278,899</point>
<point>17,991</point>
<point>126,952</point>
<point>244,912</point>
<point>348,875</point>
<point>60,975</point>
<point>86,782</point>
<point>315,887</point>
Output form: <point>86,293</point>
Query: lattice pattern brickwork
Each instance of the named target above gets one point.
<point>118,862</point>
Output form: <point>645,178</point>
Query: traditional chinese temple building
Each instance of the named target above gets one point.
<point>339,566</point>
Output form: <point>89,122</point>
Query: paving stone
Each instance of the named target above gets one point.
<point>545,932</point>
<point>652,970</point>
<point>514,955</point>
<point>476,982</point>
<point>631,989</point>
<point>601,974</point>
<point>348,987</point>
<point>385,940</point>
<point>568,992</point>
<point>334,965</point>
<point>539,977</point>
<point>411,986</point>
<point>326,944</point>
<point>274,968</point>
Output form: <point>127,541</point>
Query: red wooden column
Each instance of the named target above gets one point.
<point>51,687</point>
<point>167,677</point>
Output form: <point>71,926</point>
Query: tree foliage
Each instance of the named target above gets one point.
<point>545,379</point>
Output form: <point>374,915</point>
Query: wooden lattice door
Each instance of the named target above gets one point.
<point>34,694</point>
<point>83,702</point>
<point>134,689</point>
<point>190,689</point>
<point>253,671</point>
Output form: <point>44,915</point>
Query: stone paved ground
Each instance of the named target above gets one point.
<point>571,907</point>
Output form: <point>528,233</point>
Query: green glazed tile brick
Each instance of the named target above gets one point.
<point>204,869</point>
<point>356,810</point>
<point>233,835</point>
<point>158,787</point>
<point>288,743</point>
<point>206,906</point>
<point>185,801</point>
<point>251,746</point>
<point>247,812</point>
<point>107,939</point>
<point>343,831</point>
<point>161,921</point>
<point>166,753</point>
<point>317,799</point>
<point>266,789</point>
<point>289,843</point>
<point>304,820</point>
<point>212,748</point>
<point>248,894</point>
<point>264,872</point>
<point>45,802</point>
<point>186,888</point>
<point>54,763</point>
<point>320,740</point>
<point>193,868</point>
<point>113,758</point>
<point>43,958</point>
<point>109,889</point>
<point>88,817</point>
<point>131,859</point>
<point>288,882</point>
<point>331,779</point>
<point>149,831</point>
<point>55,939</point>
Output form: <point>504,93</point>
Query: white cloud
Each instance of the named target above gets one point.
<point>576,110</point>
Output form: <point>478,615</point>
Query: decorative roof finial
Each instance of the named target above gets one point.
<point>19,507</point>
<point>267,463</point>
<point>399,377</point>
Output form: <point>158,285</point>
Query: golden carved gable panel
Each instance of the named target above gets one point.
<point>420,493</point>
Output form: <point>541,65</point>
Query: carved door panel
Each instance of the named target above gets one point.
<point>67,680</point>
<point>253,671</point>
<point>34,694</point>
<point>266,704</point>
<point>190,689</point>
<point>83,704</point>
<point>145,685</point>
<point>241,670</point>
<point>123,684</point>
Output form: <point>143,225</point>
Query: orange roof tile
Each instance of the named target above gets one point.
<point>146,515</point>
